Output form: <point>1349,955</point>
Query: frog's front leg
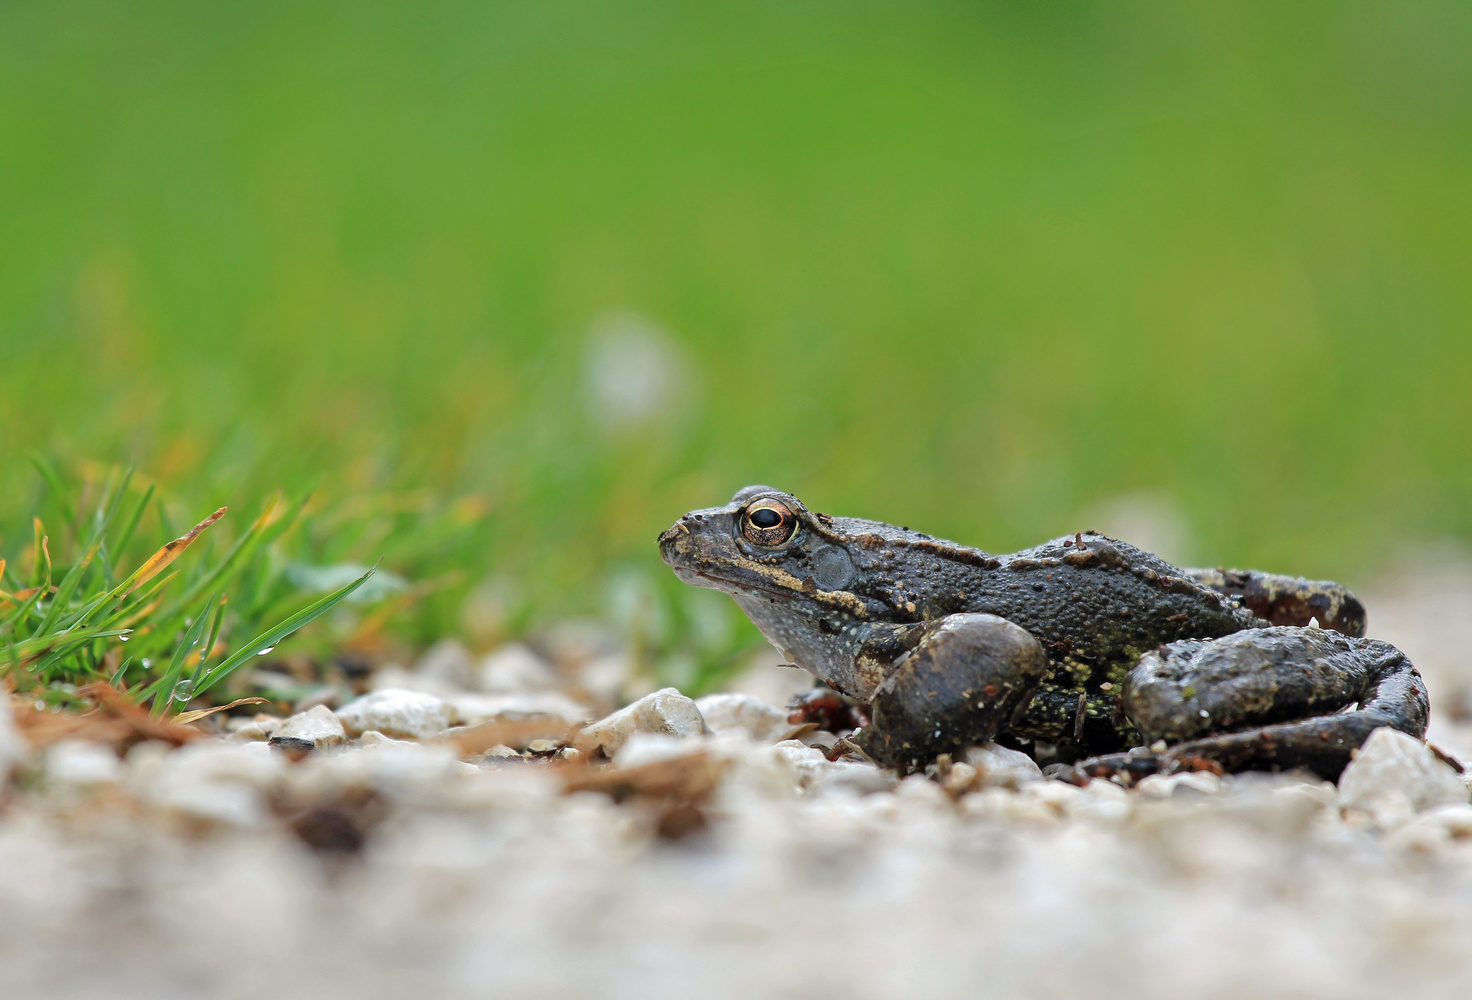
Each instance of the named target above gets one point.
<point>1265,698</point>
<point>965,678</point>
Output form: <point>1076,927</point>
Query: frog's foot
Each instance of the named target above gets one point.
<point>1272,698</point>
<point>1288,600</point>
<point>827,709</point>
<point>968,677</point>
<point>1123,769</point>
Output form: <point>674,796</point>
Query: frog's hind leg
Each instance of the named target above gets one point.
<point>1288,600</point>
<point>1271,698</point>
<point>968,677</point>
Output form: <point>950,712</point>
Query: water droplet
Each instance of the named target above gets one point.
<point>40,705</point>
<point>125,635</point>
<point>268,649</point>
<point>184,690</point>
<point>147,663</point>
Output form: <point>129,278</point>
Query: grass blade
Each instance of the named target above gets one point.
<point>58,489</point>
<point>132,523</point>
<point>268,640</point>
<point>161,559</point>
<point>163,688</point>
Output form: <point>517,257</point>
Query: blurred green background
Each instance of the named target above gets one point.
<point>522,282</point>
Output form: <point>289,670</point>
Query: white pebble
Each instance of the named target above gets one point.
<point>727,711</point>
<point>473,709</point>
<point>320,725</point>
<point>514,669</point>
<point>446,664</point>
<point>262,727</point>
<point>397,712</point>
<point>999,766</point>
<point>1394,776</point>
<point>665,711</point>
<point>651,748</point>
<point>80,765</point>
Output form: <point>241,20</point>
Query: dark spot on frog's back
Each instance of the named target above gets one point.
<point>832,567</point>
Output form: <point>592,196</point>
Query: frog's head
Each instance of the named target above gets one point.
<point>763,542</point>
<point>793,571</point>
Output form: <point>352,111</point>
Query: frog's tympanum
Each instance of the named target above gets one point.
<point>1084,645</point>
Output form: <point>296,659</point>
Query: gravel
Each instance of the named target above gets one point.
<point>717,858</point>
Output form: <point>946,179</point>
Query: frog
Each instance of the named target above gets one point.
<point>1085,651</point>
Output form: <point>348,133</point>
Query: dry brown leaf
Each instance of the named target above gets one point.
<point>41,728</point>
<point>117,721</point>
<point>125,708</point>
<point>185,718</point>
<point>160,560</point>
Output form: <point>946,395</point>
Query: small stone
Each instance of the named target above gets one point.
<point>960,779</point>
<point>816,774</point>
<point>514,669</point>
<point>293,747</point>
<point>474,709</point>
<point>501,750</point>
<point>664,711</point>
<point>997,766</point>
<point>1432,832</point>
<point>80,765</point>
<point>1098,800</point>
<point>318,725</point>
<point>373,738</point>
<point>211,780</point>
<point>448,664</point>
<point>262,727</point>
<point>753,716</point>
<point>651,748</point>
<point>396,712</point>
<point>1180,785</point>
<point>543,746</point>
<point>1394,776</point>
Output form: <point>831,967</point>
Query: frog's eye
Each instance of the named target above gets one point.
<point>768,523</point>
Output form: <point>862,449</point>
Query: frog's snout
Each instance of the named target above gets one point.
<point>675,541</point>
<point>690,539</point>
<point>673,532</point>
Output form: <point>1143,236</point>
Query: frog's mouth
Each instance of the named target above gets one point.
<point>729,572</point>
<point>699,559</point>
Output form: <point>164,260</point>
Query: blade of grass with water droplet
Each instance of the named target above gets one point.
<point>271,637</point>
<point>161,690</point>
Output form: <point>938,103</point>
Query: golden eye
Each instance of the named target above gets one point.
<point>768,523</point>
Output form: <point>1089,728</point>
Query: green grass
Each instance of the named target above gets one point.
<point>973,267</point>
<point>90,622</point>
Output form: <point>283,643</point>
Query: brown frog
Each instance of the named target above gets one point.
<point>1084,644</point>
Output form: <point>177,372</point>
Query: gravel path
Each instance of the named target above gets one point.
<point>366,855</point>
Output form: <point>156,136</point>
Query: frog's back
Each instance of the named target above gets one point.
<point>1097,603</point>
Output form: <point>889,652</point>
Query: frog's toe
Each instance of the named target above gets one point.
<point>1123,768</point>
